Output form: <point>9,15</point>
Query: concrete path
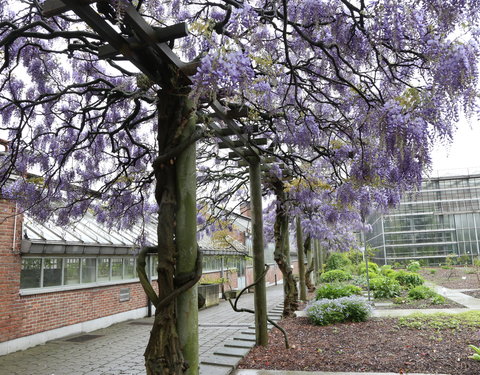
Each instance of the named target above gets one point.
<point>118,349</point>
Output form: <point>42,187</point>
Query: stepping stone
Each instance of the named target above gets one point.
<point>245,337</point>
<point>250,332</point>
<point>222,360</point>
<point>240,344</point>
<point>233,352</point>
<point>214,370</point>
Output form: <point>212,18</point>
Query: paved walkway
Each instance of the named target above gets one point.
<point>118,349</point>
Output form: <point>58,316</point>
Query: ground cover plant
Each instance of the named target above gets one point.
<point>417,344</point>
<point>344,309</point>
<point>337,290</point>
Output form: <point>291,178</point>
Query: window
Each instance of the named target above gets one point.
<point>46,272</point>
<point>129,268</point>
<point>103,269</point>
<point>72,271</point>
<point>31,273</point>
<point>117,268</point>
<point>89,270</point>
<point>52,271</point>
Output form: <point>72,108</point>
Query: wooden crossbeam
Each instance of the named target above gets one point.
<point>225,132</point>
<point>257,142</point>
<point>52,8</point>
<point>162,35</point>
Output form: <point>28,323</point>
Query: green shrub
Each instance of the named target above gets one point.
<point>384,287</point>
<point>332,291</point>
<point>437,300</point>
<point>335,275</point>
<point>359,280</point>
<point>372,268</point>
<point>337,261</point>
<point>387,271</point>
<point>433,271</point>
<point>345,309</point>
<point>355,256</point>
<point>421,292</point>
<point>413,267</point>
<point>408,279</point>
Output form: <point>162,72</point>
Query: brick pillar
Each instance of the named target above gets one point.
<point>10,264</point>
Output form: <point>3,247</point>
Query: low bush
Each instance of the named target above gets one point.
<point>413,266</point>
<point>408,279</point>
<point>335,275</point>
<point>345,309</point>
<point>387,271</point>
<point>372,268</point>
<point>332,291</point>
<point>359,280</point>
<point>337,261</point>
<point>423,292</point>
<point>355,256</point>
<point>384,287</point>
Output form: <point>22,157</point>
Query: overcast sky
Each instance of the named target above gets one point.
<point>462,154</point>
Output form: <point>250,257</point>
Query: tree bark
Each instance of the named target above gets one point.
<point>282,252</point>
<point>301,261</point>
<point>164,355</point>
<point>310,264</point>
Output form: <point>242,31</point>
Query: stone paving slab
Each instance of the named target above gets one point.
<point>214,370</point>
<point>234,352</point>
<point>245,337</point>
<point>239,344</point>
<point>222,360</point>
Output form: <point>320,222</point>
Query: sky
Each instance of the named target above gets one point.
<point>462,154</point>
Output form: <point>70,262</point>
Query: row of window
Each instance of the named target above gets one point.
<point>47,272</point>
<point>51,272</point>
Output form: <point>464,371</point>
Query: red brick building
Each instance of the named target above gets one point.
<point>56,282</point>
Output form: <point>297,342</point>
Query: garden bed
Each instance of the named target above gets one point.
<point>456,278</point>
<point>378,345</point>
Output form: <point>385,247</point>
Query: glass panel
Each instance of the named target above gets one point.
<point>103,269</point>
<point>52,272</point>
<point>129,268</point>
<point>117,268</point>
<point>89,270</point>
<point>72,271</point>
<point>154,265</point>
<point>30,273</point>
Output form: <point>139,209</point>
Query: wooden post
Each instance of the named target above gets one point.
<point>186,239</point>
<point>260,297</point>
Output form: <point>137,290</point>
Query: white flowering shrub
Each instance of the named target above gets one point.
<point>344,309</point>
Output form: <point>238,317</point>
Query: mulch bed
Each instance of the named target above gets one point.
<point>421,304</point>
<point>473,293</point>
<point>377,345</point>
<point>458,278</point>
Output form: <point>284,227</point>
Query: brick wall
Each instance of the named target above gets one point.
<point>232,277</point>
<point>11,314</point>
<point>272,272</point>
<point>26,315</point>
<point>43,312</point>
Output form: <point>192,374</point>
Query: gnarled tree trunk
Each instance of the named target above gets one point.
<point>282,248</point>
<point>163,355</point>
<point>310,264</point>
